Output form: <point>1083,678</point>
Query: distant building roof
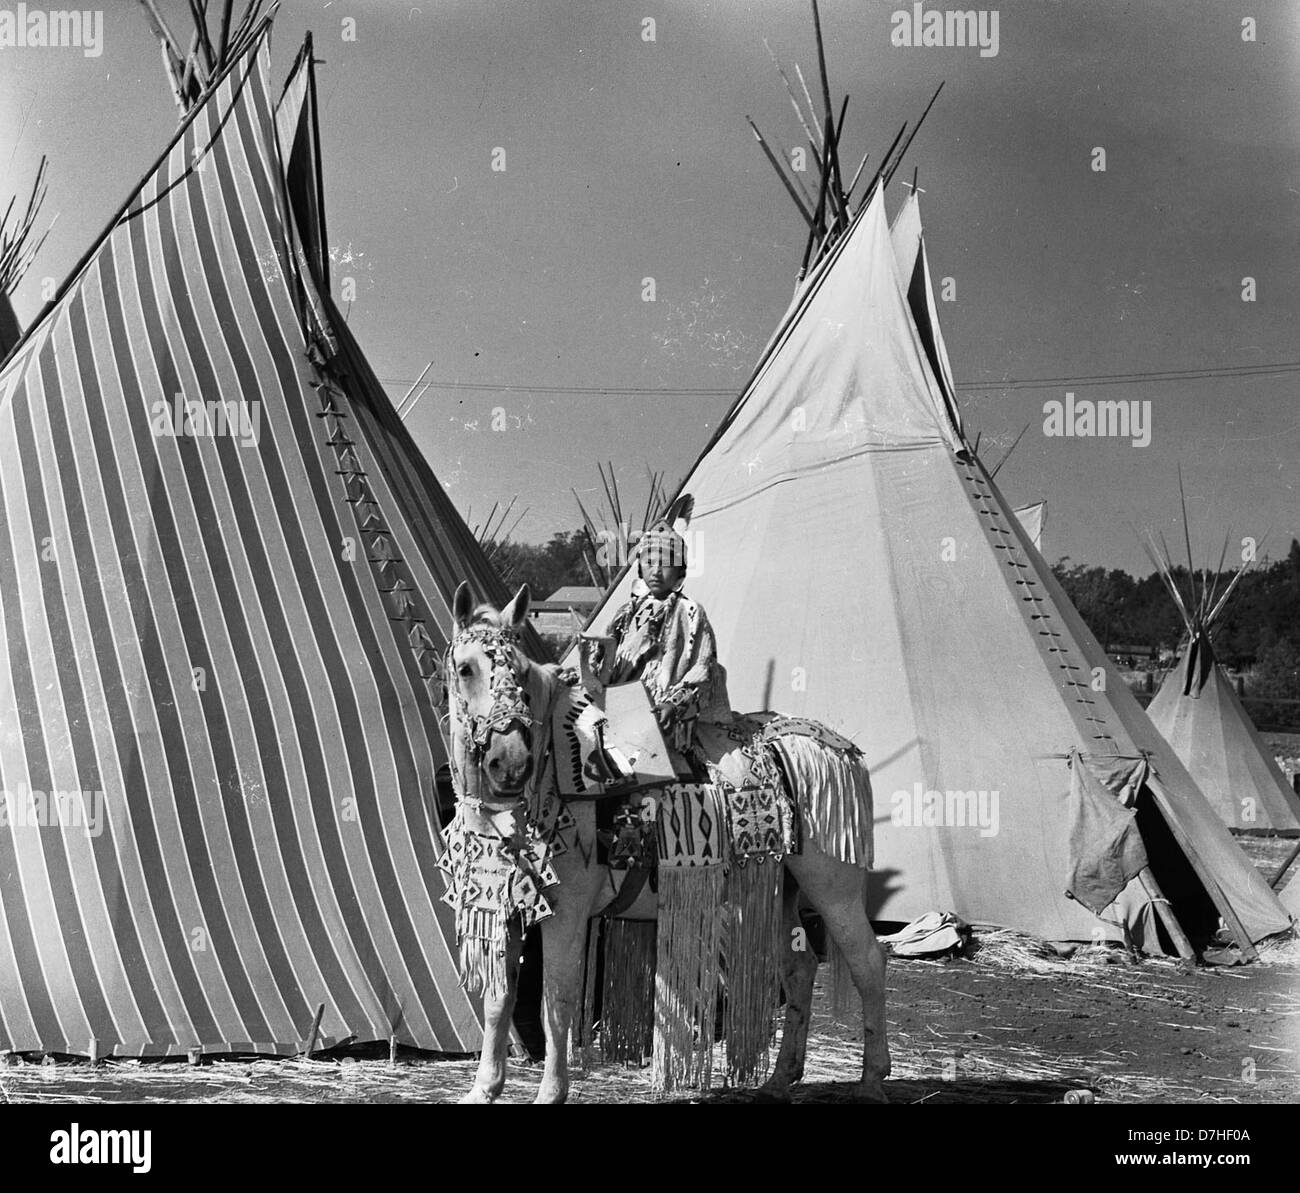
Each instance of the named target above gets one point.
<point>574,594</point>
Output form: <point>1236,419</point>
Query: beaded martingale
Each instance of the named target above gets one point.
<point>498,857</point>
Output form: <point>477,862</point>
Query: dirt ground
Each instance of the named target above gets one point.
<point>1009,1023</point>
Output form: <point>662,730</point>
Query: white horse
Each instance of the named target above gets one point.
<point>499,700</point>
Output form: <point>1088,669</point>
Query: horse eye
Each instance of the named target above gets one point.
<point>465,671</point>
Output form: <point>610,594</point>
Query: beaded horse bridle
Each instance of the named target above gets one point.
<point>510,703</point>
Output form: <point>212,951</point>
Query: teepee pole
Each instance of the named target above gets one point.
<point>780,173</point>
<point>821,206</point>
<point>916,128</point>
<point>1147,880</point>
<point>812,107</point>
<point>798,111</point>
<point>1286,865</point>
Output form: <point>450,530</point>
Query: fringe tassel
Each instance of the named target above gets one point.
<point>833,792</point>
<point>627,1000</point>
<point>686,979</point>
<point>844,994</point>
<point>753,968</point>
<point>584,1031</point>
<point>482,936</point>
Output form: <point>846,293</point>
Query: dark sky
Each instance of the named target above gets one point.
<point>627,159</point>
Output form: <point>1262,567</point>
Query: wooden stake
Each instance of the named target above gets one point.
<point>392,1051</point>
<point>315,1030</point>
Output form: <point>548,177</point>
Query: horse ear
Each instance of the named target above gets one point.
<point>462,606</point>
<point>516,613</point>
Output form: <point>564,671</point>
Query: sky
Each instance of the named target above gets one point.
<point>627,159</point>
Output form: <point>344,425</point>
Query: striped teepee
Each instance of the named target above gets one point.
<point>225,586</point>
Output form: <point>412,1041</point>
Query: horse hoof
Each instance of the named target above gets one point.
<point>550,1096</point>
<point>478,1096</point>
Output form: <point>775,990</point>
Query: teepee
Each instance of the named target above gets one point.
<point>1291,896</point>
<point>226,576</point>
<point>17,249</point>
<point>861,567</point>
<point>1200,715</point>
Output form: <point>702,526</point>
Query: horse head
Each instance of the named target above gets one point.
<point>492,696</point>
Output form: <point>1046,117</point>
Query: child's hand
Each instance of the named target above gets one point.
<point>665,714</point>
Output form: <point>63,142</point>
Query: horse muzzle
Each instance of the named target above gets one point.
<point>508,760</point>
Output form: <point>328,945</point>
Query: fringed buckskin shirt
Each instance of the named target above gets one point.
<point>669,646</point>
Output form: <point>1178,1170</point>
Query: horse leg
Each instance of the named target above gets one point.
<point>564,935</point>
<point>490,1079</point>
<point>798,970</point>
<point>836,890</point>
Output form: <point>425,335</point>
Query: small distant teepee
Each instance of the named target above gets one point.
<point>1199,714</point>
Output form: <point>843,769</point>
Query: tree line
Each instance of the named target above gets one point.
<point>1259,629</point>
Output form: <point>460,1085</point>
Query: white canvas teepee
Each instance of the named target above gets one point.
<point>860,567</point>
<point>1291,896</point>
<point>1200,715</point>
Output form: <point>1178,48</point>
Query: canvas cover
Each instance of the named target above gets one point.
<point>220,644</point>
<point>861,570</point>
<point>914,273</point>
<point>1201,716</point>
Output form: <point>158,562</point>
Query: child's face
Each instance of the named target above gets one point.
<point>662,578</point>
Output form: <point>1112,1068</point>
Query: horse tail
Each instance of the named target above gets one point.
<point>831,787</point>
